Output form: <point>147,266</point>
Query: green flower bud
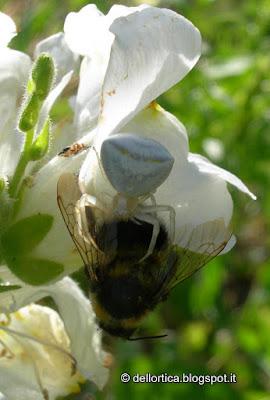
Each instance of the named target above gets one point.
<point>42,75</point>
<point>38,89</point>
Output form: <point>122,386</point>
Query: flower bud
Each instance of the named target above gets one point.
<point>42,75</point>
<point>38,89</point>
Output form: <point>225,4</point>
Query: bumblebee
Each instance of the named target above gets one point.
<point>130,268</point>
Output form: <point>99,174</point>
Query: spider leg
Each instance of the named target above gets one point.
<point>147,196</point>
<point>153,200</point>
<point>90,201</point>
<point>158,208</point>
<point>154,203</point>
<point>156,227</point>
<point>133,205</point>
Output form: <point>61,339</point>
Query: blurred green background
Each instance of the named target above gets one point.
<point>218,321</point>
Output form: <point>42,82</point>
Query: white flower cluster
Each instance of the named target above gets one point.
<point>129,57</point>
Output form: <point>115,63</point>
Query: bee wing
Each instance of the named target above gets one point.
<point>68,193</point>
<point>196,247</point>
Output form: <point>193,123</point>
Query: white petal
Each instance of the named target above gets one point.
<point>119,10</point>
<point>89,94</point>
<point>7,29</point>
<point>14,71</point>
<point>41,198</point>
<point>85,337</point>
<point>156,123</point>
<point>11,142</point>
<point>206,166</point>
<point>50,100</point>
<point>197,197</point>
<point>77,314</point>
<point>54,367</point>
<point>87,33</point>
<point>84,32</point>
<point>229,245</point>
<point>153,50</point>
<point>145,51</point>
<point>64,58</point>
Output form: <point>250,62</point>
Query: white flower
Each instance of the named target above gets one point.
<point>131,56</point>
<point>73,338</point>
<point>147,51</point>
<point>167,46</point>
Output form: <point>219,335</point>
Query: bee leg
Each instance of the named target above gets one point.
<point>156,227</point>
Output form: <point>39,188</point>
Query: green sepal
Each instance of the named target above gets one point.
<point>23,236</point>
<point>42,75</point>
<point>34,271</point>
<point>7,288</point>
<point>40,146</point>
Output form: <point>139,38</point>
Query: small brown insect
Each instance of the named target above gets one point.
<point>72,150</point>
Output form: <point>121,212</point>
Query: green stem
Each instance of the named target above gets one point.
<point>24,159</point>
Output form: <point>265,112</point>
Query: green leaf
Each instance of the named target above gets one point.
<point>26,234</point>
<point>6,288</point>
<point>35,271</point>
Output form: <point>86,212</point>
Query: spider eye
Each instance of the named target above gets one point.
<point>135,165</point>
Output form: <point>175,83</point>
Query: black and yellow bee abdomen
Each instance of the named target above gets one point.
<point>123,294</point>
<point>121,302</point>
<point>124,297</point>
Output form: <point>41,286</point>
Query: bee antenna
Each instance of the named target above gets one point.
<point>147,337</point>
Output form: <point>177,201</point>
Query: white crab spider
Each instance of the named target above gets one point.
<point>135,166</point>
